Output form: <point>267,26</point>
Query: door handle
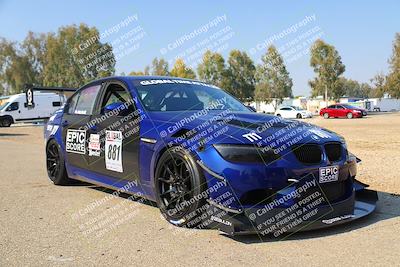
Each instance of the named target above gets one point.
<point>64,123</point>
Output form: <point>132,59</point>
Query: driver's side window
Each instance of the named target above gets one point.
<point>13,106</point>
<point>117,100</point>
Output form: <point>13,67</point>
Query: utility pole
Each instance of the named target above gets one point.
<point>326,95</point>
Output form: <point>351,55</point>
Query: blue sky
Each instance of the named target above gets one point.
<point>362,31</point>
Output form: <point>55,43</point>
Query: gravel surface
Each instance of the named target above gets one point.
<point>43,224</point>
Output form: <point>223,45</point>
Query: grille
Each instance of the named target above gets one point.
<point>331,192</point>
<point>258,196</point>
<point>333,151</point>
<point>308,153</point>
<point>334,191</point>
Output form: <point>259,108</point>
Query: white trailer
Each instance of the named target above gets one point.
<point>15,109</point>
<point>382,104</point>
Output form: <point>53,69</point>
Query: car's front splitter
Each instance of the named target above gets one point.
<point>360,204</point>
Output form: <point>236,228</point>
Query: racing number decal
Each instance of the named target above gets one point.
<point>113,153</point>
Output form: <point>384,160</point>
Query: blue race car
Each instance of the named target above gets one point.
<point>207,160</point>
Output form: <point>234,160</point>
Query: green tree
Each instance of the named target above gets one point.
<point>136,73</point>
<point>352,88</point>
<point>239,79</point>
<point>181,70</point>
<point>273,80</point>
<point>159,67</point>
<point>393,79</point>
<point>212,69</point>
<point>365,90</point>
<point>328,66</point>
<point>9,67</point>
<point>71,57</point>
<point>146,70</point>
<point>34,50</point>
<point>21,63</point>
<point>76,56</point>
<point>379,85</point>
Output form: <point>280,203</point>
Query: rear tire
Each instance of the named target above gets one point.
<point>178,180</point>
<point>326,116</point>
<point>55,164</point>
<point>349,115</point>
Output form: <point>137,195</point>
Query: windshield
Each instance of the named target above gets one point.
<point>297,108</point>
<point>3,105</point>
<point>182,95</point>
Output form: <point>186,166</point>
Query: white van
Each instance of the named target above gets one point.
<point>14,108</point>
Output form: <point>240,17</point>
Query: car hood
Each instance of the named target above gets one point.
<point>237,128</point>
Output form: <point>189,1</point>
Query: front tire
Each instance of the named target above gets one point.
<point>349,115</point>
<point>326,116</point>
<point>55,164</point>
<point>180,187</point>
<point>6,122</point>
<point>298,116</point>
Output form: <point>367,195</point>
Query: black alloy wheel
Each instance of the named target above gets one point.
<point>55,164</point>
<point>179,185</point>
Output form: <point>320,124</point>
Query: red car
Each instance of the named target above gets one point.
<point>342,110</point>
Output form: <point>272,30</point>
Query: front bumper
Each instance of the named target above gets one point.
<point>358,114</point>
<point>360,204</point>
<point>307,115</point>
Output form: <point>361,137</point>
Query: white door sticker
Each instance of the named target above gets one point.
<point>94,145</point>
<point>75,141</point>
<point>113,152</point>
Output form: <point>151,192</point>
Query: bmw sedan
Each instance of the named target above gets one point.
<point>204,158</point>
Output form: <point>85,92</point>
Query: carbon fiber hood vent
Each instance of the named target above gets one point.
<point>255,125</point>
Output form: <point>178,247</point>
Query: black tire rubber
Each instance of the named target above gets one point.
<point>349,115</point>
<point>327,116</point>
<point>6,122</point>
<point>188,216</point>
<point>298,116</point>
<point>60,177</point>
<point>279,115</point>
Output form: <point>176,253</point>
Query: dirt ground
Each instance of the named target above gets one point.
<point>43,224</point>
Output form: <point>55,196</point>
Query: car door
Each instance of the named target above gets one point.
<point>23,113</point>
<point>341,111</point>
<point>331,110</point>
<point>75,121</point>
<point>115,131</point>
<point>14,111</point>
<point>285,112</point>
<point>292,112</point>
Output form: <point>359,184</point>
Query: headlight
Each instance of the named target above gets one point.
<point>246,153</point>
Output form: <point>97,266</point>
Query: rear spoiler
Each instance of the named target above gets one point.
<point>29,88</point>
